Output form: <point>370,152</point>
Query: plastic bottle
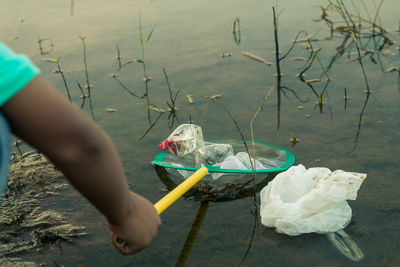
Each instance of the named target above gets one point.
<point>184,140</point>
<point>187,139</point>
<point>212,153</point>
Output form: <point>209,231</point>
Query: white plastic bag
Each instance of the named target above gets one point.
<point>301,201</point>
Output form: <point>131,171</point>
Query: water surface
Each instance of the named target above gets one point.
<point>188,39</point>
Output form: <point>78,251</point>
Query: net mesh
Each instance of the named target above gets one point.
<point>272,158</point>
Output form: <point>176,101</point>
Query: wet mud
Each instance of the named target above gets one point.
<point>25,225</point>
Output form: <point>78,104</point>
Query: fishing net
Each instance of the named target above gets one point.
<point>234,171</point>
<point>268,158</point>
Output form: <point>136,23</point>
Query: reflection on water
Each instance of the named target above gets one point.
<point>194,231</point>
<point>230,187</point>
<point>195,50</point>
<point>209,192</point>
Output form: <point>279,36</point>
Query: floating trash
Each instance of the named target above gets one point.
<point>393,69</point>
<point>313,200</point>
<point>185,149</point>
<point>213,97</point>
<point>256,58</point>
<point>226,54</point>
<point>298,59</point>
<point>345,245</point>
<point>313,81</point>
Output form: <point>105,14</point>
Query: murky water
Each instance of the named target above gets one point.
<point>358,134</point>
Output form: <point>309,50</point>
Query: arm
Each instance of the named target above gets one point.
<point>83,152</point>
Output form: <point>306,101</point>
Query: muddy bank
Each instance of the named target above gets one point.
<point>25,226</point>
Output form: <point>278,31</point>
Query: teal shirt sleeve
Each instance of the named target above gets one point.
<point>16,71</point>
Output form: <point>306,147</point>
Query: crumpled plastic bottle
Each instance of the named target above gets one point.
<point>187,139</point>
<point>211,153</point>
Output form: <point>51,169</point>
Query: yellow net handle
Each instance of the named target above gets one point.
<point>171,197</point>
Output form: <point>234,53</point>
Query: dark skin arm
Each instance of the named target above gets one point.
<point>42,117</point>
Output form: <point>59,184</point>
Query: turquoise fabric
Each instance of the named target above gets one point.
<point>5,151</point>
<point>16,71</point>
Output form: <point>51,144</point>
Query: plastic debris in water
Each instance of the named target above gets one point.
<point>314,81</point>
<point>314,200</point>
<point>392,69</point>
<point>298,58</point>
<point>159,110</point>
<point>226,54</point>
<point>213,97</point>
<point>346,245</point>
<point>189,97</point>
<point>256,58</point>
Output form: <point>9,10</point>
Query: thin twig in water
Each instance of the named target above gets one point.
<point>173,99</point>
<point>255,226</point>
<point>236,31</point>
<point>124,87</point>
<point>278,69</point>
<point>359,122</point>
<point>278,65</point>
<point>237,127</point>
<point>293,44</point>
<point>252,137</point>
<point>346,14</point>
<point>118,58</point>
<point>88,86</point>
<point>151,127</point>
<point>63,77</point>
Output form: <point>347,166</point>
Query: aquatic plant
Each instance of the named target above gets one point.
<point>88,86</point>
<point>142,46</point>
<point>172,108</point>
<point>61,72</point>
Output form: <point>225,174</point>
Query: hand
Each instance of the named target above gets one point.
<point>140,226</point>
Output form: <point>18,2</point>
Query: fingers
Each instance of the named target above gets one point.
<point>128,248</point>
<point>133,245</point>
<point>138,229</point>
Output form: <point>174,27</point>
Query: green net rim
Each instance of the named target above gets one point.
<point>158,160</point>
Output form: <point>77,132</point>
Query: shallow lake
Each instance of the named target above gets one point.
<point>200,45</point>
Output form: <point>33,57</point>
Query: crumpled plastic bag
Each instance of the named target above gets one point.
<point>301,201</point>
<point>240,161</point>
